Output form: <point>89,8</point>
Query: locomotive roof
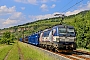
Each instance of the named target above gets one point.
<point>61,26</point>
<point>46,29</point>
<point>70,26</point>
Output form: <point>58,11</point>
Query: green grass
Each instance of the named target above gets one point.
<point>30,53</point>
<point>2,45</point>
<point>83,49</point>
<point>4,50</point>
<point>13,55</point>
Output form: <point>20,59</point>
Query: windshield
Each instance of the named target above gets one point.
<point>62,30</point>
<point>70,30</point>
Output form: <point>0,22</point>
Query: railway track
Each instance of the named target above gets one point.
<point>83,52</point>
<point>79,55</point>
<point>76,55</point>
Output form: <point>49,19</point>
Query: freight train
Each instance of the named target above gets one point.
<point>60,38</point>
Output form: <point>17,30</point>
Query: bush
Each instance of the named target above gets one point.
<point>7,38</point>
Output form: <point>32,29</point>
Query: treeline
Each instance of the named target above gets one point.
<point>81,22</point>
<point>7,38</point>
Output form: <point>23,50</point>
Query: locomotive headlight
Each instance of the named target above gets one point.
<point>57,39</point>
<point>72,45</point>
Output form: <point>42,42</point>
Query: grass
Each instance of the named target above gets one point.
<point>83,49</point>
<point>27,52</point>
<point>4,50</point>
<point>2,45</point>
<point>30,53</point>
<point>13,55</point>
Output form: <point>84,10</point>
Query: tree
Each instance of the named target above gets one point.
<point>7,37</point>
<point>12,38</point>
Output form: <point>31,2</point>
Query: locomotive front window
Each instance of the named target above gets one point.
<point>70,30</point>
<point>62,30</point>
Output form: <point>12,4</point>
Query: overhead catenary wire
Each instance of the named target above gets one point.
<point>73,5</point>
<point>66,5</point>
<point>68,8</point>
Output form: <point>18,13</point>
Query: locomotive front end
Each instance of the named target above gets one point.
<point>65,38</point>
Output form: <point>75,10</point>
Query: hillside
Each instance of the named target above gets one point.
<point>80,21</point>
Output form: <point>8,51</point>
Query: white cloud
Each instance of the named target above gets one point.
<point>44,7</point>
<point>47,16</point>
<point>27,1</point>
<point>39,17</point>
<point>17,15</point>
<point>37,2</point>
<point>73,12</point>
<point>4,10</point>
<point>14,18</point>
<point>88,6</point>
<point>23,8</point>
<point>53,6</point>
<point>8,21</point>
<point>81,8</point>
<point>45,1</point>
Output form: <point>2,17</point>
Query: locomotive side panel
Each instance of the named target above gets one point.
<point>46,37</point>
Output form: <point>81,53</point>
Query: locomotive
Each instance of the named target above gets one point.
<point>60,38</point>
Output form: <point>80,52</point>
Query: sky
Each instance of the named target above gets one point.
<point>17,12</point>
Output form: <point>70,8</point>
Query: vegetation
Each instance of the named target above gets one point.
<point>22,51</point>
<point>7,38</point>
<point>13,54</point>
<point>4,51</point>
<point>30,53</point>
<point>80,21</point>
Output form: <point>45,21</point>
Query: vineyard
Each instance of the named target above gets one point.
<point>80,21</point>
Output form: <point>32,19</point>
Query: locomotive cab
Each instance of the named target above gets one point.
<point>64,37</point>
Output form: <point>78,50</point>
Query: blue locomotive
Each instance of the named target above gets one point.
<point>60,38</point>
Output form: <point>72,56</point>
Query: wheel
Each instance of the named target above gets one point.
<point>74,46</point>
<point>56,51</point>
